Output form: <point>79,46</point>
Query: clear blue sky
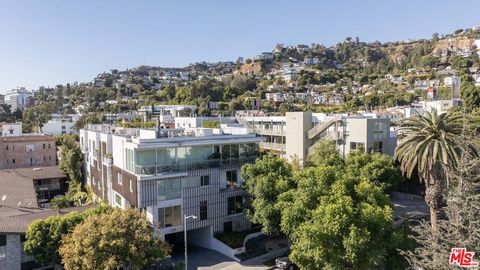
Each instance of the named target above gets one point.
<point>51,42</point>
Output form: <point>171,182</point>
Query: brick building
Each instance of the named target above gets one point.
<point>27,150</point>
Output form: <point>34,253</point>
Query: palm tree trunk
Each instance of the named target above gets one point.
<point>434,195</point>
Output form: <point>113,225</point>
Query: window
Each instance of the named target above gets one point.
<point>120,178</point>
<point>6,147</point>
<point>49,146</point>
<point>203,210</point>
<point>235,205</point>
<point>169,216</point>
<point>118,200</point>
<point>43,146</point>
<point>49,158</point>
<point>205,180</point>
<point>129,161</point>
<point>44,158</point>
<point>11,131</point>
<point>231,179</point>
<point>377,147</point>
<point>30,147</point>
<point>23,238</point>
<point>356,145</point>
<point>31,161</point>
<point>130,182</point>
<point>169,189</point>
<point>13,161</point>
<point>3,240</point>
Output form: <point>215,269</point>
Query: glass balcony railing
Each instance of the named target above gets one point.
<point>179,167</point>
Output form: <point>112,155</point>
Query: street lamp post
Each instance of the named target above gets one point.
<point>185,218</point>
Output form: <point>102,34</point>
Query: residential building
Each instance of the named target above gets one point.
<point>295,135</point>
<point>276,97</point>
<point>170,173</point>
<point>18,209</point>
<point>153,111</point>
<point>48,181</point>
<point>439,106</point>
<point>61,124</point>
<point>19,98</point>
<point>10,129</point>
<point>27,150</point>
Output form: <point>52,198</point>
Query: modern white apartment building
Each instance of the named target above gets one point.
<point>170,173</point>
<point>61,124</point>
<point>295,135</point>
<point>19,98</point>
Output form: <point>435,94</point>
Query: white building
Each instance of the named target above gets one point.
<point>295,135</point>
<point>19,99</point>
<point>170,173</point>
<point>10,129</point>
<point>61,124</point>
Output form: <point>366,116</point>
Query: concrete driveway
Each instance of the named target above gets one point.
<point>207,259</point>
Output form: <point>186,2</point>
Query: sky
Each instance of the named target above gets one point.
<point>52,42</point>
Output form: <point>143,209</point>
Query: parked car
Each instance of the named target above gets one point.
<point>285,263</point>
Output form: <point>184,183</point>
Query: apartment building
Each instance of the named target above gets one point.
<point>27,150</point>
<point>170,173</point>
<point>10,129</point>
<point>61,124</point>
<point>296,134</point>
<point>19,98</point>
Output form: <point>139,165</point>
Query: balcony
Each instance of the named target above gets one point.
<point>273,146</point>
<point>47,187</point>
<point>181,167</point>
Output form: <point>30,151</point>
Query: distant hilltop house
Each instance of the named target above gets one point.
<point>265,56</point>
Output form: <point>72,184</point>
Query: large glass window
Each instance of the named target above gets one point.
<point>129,160</point>
<point>235,205</point>
<point>169,216</point>
<point>231,179</point>
<point>169,189</point>
<point>203,152</point>
<point>146,158</point>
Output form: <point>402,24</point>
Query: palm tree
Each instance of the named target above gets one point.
<point>431,145</point>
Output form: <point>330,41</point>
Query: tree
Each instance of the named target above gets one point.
<point>349,228</point>
<point>325,153</point>
<point>430,145</point>
<point>339,215</point>
<point>470,95</point>
<point>265,181</point>
<point>461,227</point>
<point>121,239</point>
<point>43,236</point>
<point>71,158</point>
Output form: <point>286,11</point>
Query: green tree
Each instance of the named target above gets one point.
<point>121,239</point>
<point>211,124</point>
<point>43,236</point>
<point>325,153</point>
<point>470,95</point>
<point>71,158</point>
<point>265,181</point>
<point>350,228</point>
<point>430,145</point>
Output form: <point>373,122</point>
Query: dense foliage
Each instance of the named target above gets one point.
<point>337,213</point>
<point>119,239</point>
